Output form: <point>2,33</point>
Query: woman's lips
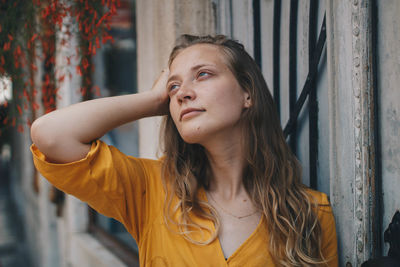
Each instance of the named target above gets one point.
<point>190,112</point>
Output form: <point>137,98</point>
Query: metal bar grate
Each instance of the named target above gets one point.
<point>257,32</point>
<point>293,69</point>
<point>312,99</point>
<point>312,73</point>
<point>276,53</point>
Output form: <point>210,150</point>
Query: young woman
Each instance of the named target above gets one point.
<point>227,191</point>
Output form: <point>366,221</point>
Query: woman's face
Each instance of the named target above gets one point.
<point>206,101</point>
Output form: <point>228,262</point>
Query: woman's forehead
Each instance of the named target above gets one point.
<point>199,54</point>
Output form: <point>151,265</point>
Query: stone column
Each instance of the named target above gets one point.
<point>351,98</point>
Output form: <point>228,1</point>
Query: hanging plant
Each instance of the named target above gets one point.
<point>29,33</point>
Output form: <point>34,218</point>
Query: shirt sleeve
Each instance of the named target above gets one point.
<point>111,182</point>
<point>327,222</point>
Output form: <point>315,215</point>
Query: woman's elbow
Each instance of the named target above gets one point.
<point>41,134</point>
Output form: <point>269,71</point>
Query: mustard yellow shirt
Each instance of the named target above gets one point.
<point>130,190</point>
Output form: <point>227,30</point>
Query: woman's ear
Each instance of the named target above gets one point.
<point>247,100</point>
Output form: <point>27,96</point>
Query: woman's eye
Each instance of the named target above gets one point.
<point>203,74</point>
<point>173,87</point>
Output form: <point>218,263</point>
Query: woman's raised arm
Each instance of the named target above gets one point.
<point>64,135</point>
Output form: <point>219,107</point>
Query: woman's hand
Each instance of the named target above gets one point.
<point>160,90</point>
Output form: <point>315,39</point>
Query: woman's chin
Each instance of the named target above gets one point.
<point>191,139</point>
<point>192,136</point>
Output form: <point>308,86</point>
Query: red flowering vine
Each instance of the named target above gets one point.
<point>30,31</point>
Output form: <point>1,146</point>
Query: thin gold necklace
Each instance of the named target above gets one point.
<point>233,215</point>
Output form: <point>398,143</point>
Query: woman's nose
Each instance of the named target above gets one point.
<point>186,92</point>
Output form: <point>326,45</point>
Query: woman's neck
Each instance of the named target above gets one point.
<point>226,159</point>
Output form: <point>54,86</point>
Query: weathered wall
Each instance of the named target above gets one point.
<point>388,80</point>
<point>352,140</point>
<point>339,35</point>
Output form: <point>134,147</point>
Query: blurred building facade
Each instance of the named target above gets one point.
<point>350,150</point>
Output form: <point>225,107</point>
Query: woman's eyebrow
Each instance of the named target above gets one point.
<point>194,68</point>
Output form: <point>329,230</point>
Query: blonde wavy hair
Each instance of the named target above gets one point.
<point>272,175</point>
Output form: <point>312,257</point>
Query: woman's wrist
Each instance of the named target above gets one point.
<point>160,93</point>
